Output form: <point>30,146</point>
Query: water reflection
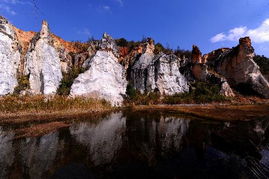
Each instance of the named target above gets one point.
<point>6,152</point>
<point>38,155</point>
<point>136,145</point>
<point>103,139</point>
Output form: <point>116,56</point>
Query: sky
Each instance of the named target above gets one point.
<point>210,24</point>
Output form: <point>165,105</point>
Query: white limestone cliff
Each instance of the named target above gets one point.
<point>9,58</point>
<point>105,78</point>
<point>43,64</point>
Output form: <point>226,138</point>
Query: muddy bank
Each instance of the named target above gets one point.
<point>213,112</point>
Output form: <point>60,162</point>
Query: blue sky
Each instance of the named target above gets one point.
<point>210,24</point>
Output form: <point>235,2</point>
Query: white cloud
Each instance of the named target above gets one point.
<point>8,9</point>
<point>85,31</point>
<point>7,6</point>
<point>258,35</point>
<point>218,38</point>
<point>107,8</point>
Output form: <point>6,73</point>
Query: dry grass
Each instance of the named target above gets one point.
<point>15,105</point>
<point>215,112</point>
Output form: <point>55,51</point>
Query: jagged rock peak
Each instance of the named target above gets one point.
<point>196,55</point>
<point>109,44</point>
<point>245,48</point>
<point>246,41</point>
<point>7,28</point>
<point>3,20</point>
<point>44,32</point>
<point>150,46</point>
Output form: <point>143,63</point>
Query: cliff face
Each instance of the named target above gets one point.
<point>43,63</point>
<point>44,57</point>
<point>105,78</point>
<point>9,57</point>
<point>238,66</point>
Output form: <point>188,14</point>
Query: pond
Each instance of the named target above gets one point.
<point>140,145</point>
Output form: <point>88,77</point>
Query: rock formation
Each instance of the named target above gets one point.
<point>105,78</point>
<point>238,67</point>
<point>163,75</point>
<point>139,69</point>
<point>43,57</point>
<point>9,57</point>
<point>201,72</point>
<point>43,63</point>
<point>158,73</point>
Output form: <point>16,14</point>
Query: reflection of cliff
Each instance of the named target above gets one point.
<point>153,137</point>
<point>6,152</point>
<point>171,131</point>
<point>103,140</point>
<point>38,156</point>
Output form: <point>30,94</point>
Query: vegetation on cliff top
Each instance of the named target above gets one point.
<point>200,92</point>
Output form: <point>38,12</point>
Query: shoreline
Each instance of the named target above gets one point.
<point>219,112</point>
<point>33,124</point>
<point>260,109</point>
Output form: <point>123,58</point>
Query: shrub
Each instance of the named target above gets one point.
<point>68,79</point>
<point>135,97</point>
<point>263,63</point>
<point>122,42</point>
<point>183,53</point>
<point>23,84</point>
<point>200,93</point>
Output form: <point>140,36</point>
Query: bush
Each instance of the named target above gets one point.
<point>263,63</point>
<point>160,48</point>
<point>68,80</point>
<point>122,42</point>
<point>200,93</point>
<point>23,84</point>
<point>183,53</point>
<point>135,97</point>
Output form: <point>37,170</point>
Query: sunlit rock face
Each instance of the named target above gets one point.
<point>7,153</point>
<point>38,155</point>
<point>158,72</point>
<point>163,75</point>
<point>202,72</point>
<point>139,69</point>
<point>43,63</point>
<point>238,66</point>
<point>105,78</point>
<point>103,140</point>
<point>9,57</point>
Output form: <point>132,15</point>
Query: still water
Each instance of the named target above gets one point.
<point>140,145</point>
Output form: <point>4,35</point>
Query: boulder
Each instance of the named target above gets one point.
<point>9,57</point>
<point>43,63</point>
